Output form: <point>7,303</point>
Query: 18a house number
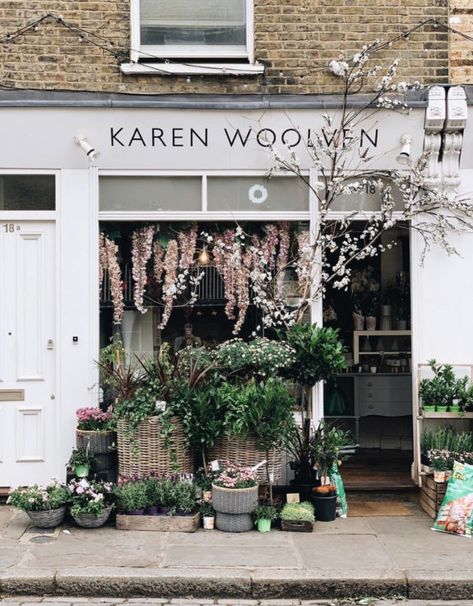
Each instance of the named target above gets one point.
<point>11,228</point>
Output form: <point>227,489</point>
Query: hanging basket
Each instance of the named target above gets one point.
<point>243,451</point>
<point>145,450</point>
<point>98,442</point>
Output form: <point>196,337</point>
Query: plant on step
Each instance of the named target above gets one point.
<point>298,512</point>
<point>39,498</point>
<point>90,496</point>
<point>326,447</point>
<point>132,496</point>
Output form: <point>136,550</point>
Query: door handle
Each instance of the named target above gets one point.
<point>52,396</point>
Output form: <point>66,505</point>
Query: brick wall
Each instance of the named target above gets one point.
<point>296,37</point>
<point>461,50</point>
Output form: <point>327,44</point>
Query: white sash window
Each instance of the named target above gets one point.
<point>187,29</point>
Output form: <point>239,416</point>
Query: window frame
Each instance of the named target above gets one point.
<point>140,53</point>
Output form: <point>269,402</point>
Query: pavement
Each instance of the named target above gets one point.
<point>357,557</point>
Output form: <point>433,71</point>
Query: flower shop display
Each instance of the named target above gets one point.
<point>298,517</point>
<point>264,515</point>
<point>45,505</point>
<point>80,462</point>
<point>95,430</point>
<point>92,502</point>
<point>164,504</point>
<point>234,498</point>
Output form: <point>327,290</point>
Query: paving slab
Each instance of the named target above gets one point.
<point>98,547</point>
<point>194,556</point>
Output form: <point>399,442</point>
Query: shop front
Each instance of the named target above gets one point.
<point>77,167</point>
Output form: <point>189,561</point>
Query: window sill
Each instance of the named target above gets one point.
<point>189,69</point>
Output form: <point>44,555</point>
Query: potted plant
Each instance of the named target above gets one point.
<point>319,356</point>
<point>264,515</point>
<point>208,515</point>
<point>92,502</point>
<point>45,505</point>
<point>95,430</point>
<point>444,390</point>
<point>326,446</point>
<point>132,497</point>
<point>80,462</point>
<point>439,461</point>
<point>234,498</point>
<point>298,517</point>
<point>154,495</point>
<point>184,498</point>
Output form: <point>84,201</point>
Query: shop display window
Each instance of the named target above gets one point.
<point>27,192</point>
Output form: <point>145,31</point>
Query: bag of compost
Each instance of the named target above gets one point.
<point>336,480</point>
<point>456,512</point>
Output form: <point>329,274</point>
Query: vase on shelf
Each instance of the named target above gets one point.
<point>370,322</point>
<point>386,319</point>
<point>358,321</point>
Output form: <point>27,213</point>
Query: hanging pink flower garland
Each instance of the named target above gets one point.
<point>108,260</point>
<point>171,263</point>
<point>141,251</point>
<point>283,257</point>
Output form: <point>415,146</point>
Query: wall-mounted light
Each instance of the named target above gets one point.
<point>90,151</point>
<point>404,156</point>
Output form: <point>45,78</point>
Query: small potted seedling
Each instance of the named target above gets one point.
<point>298,517</point>
<point>208,515</point>
<point>264,515</point>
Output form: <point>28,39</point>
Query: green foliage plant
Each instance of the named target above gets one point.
<point>327,443</point>
<point>265,512</point>
<point>132,495</point>
<point>297,512</point>
<point>80,456</point>
<point>39,498</point>
<point>444,388</point>
<point>206,510</point>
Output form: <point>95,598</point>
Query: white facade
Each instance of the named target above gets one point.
<point>37,433</point>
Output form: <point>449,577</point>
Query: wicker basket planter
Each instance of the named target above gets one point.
<point>49,518</point>
<point>91,520</point>
<point>234,500</point>
<point>145,450</point>
<point>233,522</point>
<point>243,451</point>
<point>99,442</point>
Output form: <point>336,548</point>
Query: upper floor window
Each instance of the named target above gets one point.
<point>205,29</point>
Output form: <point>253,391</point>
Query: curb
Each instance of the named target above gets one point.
<point>243,584</point>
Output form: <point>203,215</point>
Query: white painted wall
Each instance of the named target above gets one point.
<point>78,301</point>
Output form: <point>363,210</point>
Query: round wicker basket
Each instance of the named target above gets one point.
<point>145,451</point>
<point>91,520</point>
<point>99,442</point>
<point>49,518</point>
<point>234,500</point>
<point>228,522</point>
<point>243,451</point>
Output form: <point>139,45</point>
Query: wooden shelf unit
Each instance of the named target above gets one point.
<point>357,334</point>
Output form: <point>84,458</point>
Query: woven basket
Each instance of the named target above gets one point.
<point>145,450</point>
<point>243,451</point>
<point>92,520</point>
<point>234,500</point>
<point>99,442</point>
<point>228,522</point>
<point>49,518</point>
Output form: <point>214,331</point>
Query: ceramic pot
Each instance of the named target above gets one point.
<point>81,471</point>
<point>209,522</point>
<point>439,476</point>
<point>358,321</point>
<point>263,525</point>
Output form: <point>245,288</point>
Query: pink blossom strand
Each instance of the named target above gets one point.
<point>141,251</point>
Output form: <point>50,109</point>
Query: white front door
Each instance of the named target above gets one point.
<point>28,410</point>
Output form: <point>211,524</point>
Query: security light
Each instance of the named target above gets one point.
<point>88,150</point>
<point>404,156</point>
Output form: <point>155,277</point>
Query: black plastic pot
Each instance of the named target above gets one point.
<point>325,508</point>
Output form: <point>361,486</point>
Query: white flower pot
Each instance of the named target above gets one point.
<point>209,522</point>
<point>439,476</point>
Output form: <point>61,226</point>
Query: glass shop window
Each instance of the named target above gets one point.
<point>27,192</point>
